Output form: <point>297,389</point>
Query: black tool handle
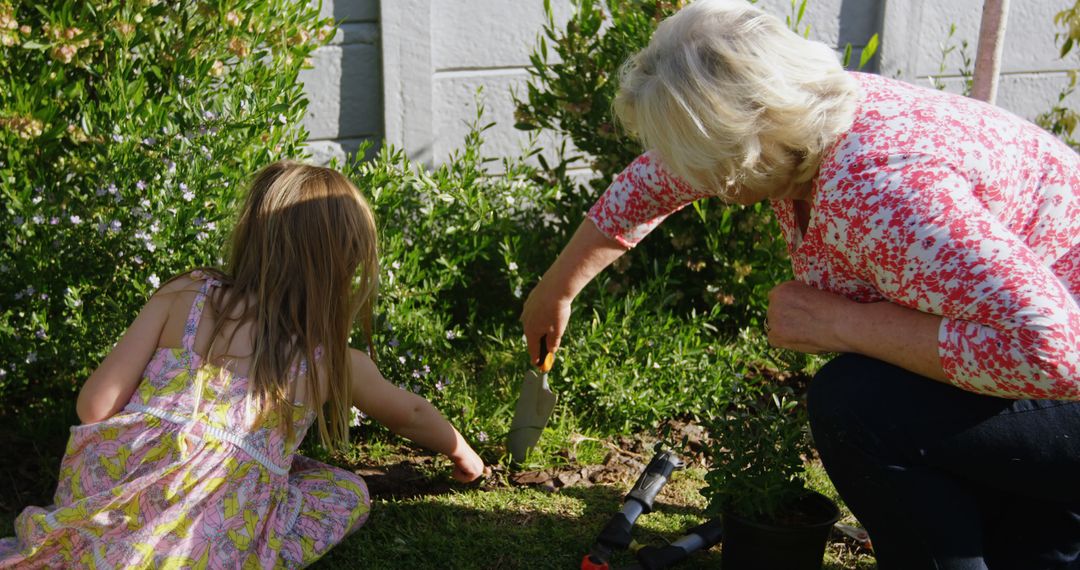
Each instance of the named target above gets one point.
<point>653,479</point>
<point>701,537</point>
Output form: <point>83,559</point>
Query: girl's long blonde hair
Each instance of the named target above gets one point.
<point>303,267</point>
<point>733,101</point>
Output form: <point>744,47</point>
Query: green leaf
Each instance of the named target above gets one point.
<point>868,51</point>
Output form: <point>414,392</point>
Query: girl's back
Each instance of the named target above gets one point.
<point>187,454</point>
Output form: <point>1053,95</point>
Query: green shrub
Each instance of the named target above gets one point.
<point>126,128</point>
<point>1061,119</point>
<point>758,444</point>
<point>731,255</point>
<point>460,247</point>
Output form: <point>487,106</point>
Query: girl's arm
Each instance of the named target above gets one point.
<point>410,416</point>
<point>110,387</point>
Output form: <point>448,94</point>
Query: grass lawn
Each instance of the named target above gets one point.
<point>530,529</point>
<point>420,519</point>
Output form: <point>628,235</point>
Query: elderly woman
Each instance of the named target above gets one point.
<point>935,242</point>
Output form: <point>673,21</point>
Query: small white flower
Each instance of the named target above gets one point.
<point>75,220</point>
<point>154,281</point>
<point>281,119</point>
<point>451,335</point>
<point>31,358</point>
<point>115,225</point>
<point>189,196</point>
<point>513,266</point>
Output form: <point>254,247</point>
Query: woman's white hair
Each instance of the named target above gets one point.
<point>735,102</point>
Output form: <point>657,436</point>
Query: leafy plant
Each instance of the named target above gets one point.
<point>731,255</point>
<point>759,444</point>
<point>126,129</point>
<point>727,253</point>
<point>967,63</point>
<point>1061,119</point>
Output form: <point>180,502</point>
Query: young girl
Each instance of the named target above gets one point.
<point>187,452</point>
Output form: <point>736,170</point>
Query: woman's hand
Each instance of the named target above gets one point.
<point>804,319</point>
<point>545,314</point>
<point>467,465</point>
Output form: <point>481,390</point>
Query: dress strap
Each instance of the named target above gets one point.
<point>192,326</point>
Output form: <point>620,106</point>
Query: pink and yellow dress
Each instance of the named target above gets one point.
<point>180,479</point>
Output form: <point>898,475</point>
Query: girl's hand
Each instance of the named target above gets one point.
<point>545,314</point>
<point>803,318</point>
<point>467,466</point>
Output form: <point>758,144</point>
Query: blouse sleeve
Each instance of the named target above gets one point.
<point>639,198</point>
<point>1011,328</point>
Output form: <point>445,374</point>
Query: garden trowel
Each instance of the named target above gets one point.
<point>533,409</point>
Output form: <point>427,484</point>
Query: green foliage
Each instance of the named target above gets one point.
<point>126,128</point>
<point>967,64</point>
<point>1060,119</point>
<point>461,246</point>
<point>730,255</point>
<point>757,452</point>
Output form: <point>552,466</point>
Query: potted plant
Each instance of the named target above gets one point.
<point>756,482</point>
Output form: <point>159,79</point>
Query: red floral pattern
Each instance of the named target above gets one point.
<point>939,203</point>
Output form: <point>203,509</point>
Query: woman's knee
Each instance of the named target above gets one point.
<point>836,387</point>
<point>852,397</point>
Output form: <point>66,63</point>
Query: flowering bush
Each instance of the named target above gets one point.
<point>126,128</point>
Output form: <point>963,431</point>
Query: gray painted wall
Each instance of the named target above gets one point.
<point>409,70</point>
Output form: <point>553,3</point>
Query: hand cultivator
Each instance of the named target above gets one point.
<point>616,535</point>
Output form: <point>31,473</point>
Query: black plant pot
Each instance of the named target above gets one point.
<point>752,545</point>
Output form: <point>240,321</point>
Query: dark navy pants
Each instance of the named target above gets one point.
<point>948,479</point>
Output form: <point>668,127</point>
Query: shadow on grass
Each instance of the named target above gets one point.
<point>506,529</point>
<point>31,446</point>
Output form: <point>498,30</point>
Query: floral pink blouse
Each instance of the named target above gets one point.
<point>939,203</point>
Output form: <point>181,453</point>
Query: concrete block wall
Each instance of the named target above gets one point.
<point>344,85</point>
<point>408,70</point>
<point>1032,74</point>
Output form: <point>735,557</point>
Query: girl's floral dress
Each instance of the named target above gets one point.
<point>181,479</point>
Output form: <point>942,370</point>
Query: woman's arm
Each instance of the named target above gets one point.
<point>1007,325</point>
<point>806,319</point>
<point>639,198</point>
<point>410,416</point>
<point>547,308</point>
